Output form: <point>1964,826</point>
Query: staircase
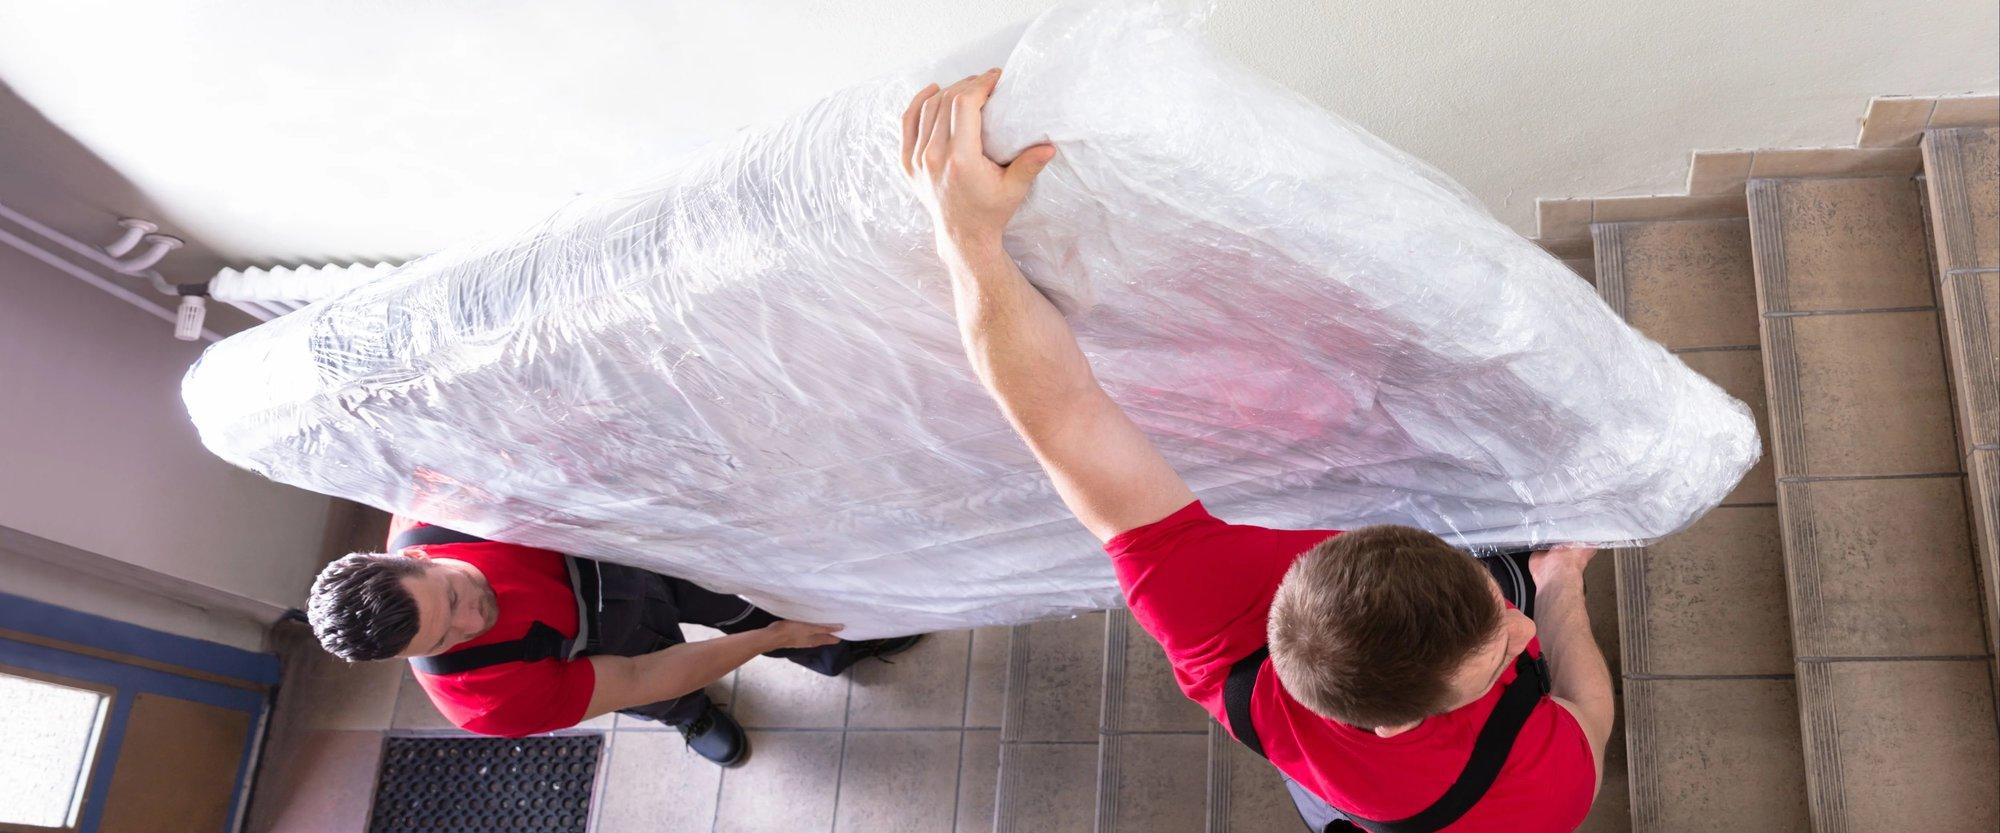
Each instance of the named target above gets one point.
<point>1817,653</point>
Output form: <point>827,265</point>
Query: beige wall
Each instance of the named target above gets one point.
<point>96,453</point>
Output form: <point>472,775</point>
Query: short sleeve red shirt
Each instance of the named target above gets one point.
<point>515,698</point>
<point>1203,588</point>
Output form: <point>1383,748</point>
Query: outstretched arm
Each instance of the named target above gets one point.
<point>1023,351</point>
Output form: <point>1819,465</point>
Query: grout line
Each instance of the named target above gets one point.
<point>1839,478</point>
<point>1974,270</point>
<point>965,702</point>
<point>1808,313</point>
<point>1938,658</point>
<point>1734,347</point>
<point>958,782</point>
<point>1649,678</point>
<point>1750,505</point>
<point>1091,742</point>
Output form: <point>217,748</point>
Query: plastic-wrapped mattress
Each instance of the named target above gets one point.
<point>746,373</point>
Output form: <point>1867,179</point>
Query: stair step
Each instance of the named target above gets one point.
<point>1701,615</point>
<point>1870,497</point>
<point>1962,177</point>
<point>1715,754</point>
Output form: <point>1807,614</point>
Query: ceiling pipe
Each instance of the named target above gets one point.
<point>161,245</point>
<point>134,229</point>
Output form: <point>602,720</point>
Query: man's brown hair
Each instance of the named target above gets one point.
<point>360,609</point>
<point>1368,626</point>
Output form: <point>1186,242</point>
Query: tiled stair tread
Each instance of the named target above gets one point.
<point>1839,244</point>
<point>1708,600</point>
<point>1722,755</point>
<point>1962,169</point>
<point>1054,681</point>
<point>1155,783</point>
<point>978,777</point>
<point>1685,284</point>
<point>1245,792</point>
<point>1140,694</point>
<point>1740,373</point>
<point>1901,745</point>
<point>1881,568</point>
<point>1860,394</point>
<point>1611,812</point>
<point>1983,473</point>
<point>888,779</point>
<point>1047,788</point>
<point>1971,306</point>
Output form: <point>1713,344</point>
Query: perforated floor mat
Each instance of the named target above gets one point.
<point>486,785</point>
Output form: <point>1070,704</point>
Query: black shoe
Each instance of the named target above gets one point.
<point>716,736</point>
<point>883,649</point>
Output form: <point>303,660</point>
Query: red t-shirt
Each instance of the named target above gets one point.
<point>1203,588</point>
<point>513,699</point>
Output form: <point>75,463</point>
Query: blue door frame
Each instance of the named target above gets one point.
<point>54,633</point>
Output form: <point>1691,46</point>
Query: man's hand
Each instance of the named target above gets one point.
<point>970,197</point>
<point>786,633</point>
<point>1560,562</point>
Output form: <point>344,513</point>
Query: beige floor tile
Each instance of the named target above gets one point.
<point>787,784</point>
<point>1871,397</point>
<point>1895,121</point>
<point>1718,171</point>
<point>1710,599</point>
<point>1902,745</point>
<point>1688,284</point>
<point>923,687</point>
<point>1056,677</point>
<point>774,693</point>
<point>1650,208</point>
<point>414,709</point>
<point>1740,373</point>
<point>1846,244</point>
<point>978,774</point>
<point>1704,750</point>
<point>1142,696</point>
<point>1047,788</point>
<point>324,784</point>
<point>986,691</point>
<point>1153,783</point>
<point>1966,111</point>
<point>1247,790</point>
<point>1881,568</point>
<point>334,694</point>
<point>655,784</point>
<point>899,782</point>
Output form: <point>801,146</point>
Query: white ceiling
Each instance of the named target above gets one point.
<point>309,130</point>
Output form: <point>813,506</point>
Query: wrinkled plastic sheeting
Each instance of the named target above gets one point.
<point>747,373</point>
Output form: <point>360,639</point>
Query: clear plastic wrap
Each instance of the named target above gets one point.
<point>747,373</point>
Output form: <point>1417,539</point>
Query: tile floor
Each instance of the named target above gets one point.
<point>911,745</point>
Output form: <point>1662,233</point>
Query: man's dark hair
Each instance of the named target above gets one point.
<point>360,609</point>
<point>1368,627</point>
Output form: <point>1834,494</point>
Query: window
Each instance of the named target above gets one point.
<point>49,730</point>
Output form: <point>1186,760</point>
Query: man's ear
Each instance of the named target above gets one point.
<point>1392,731</point>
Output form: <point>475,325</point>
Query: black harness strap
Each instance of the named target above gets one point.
<point>1489,751</point>
<point>541,642</point>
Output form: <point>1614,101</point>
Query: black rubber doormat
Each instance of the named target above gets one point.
<point>486,785</point>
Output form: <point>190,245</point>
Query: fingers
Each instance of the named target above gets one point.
<point>910,125</point>
<point>932,128</point>
<point>966,110</point>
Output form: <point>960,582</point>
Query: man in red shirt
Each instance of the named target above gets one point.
<point>1391,655</point>
<point>511,640</point>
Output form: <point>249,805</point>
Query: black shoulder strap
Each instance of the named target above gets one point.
<point>542,642</point>
<point>1489,754</point>
<point>1489,751</point>
<point>423,536</point>
<point>1236,691</point>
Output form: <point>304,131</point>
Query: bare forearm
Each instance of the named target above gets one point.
<point>1018,342</point>
<point>1563,622</point>
<point>676,671</point>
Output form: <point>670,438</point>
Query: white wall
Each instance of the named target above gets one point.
<point>96,451</point>
<point>330,129</point>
